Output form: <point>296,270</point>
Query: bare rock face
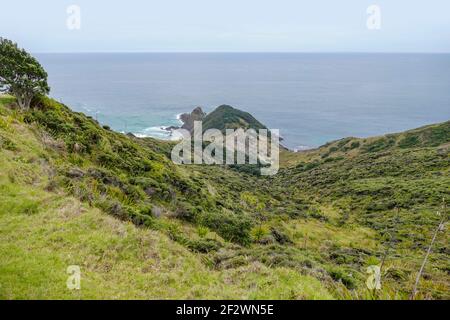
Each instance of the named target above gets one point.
<point>188,118</point>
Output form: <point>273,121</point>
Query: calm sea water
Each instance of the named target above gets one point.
<point>311,98</point>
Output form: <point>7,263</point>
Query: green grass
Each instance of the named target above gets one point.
<point>226,117</point>
<point>117,259</point>
<point>74,193</point>
<point>42,233</point>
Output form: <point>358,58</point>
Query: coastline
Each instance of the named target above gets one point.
<point>168,133</point>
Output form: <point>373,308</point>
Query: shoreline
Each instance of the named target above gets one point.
<point>171,136</point>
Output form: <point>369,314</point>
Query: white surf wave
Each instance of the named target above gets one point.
<point>178,117</point>
<point>161,132</point>
<point>302,148</point>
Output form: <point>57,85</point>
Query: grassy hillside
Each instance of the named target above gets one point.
<point>392,184</point>
<point>141,227</point>
<point>44,229</point>
<point>43,233</point>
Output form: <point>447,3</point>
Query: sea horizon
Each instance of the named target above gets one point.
<point>313,98</point>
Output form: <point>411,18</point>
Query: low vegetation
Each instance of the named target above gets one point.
<point>226,117</point>
<point>75,193</point>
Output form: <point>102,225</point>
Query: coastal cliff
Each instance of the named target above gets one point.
<point>223,117</point>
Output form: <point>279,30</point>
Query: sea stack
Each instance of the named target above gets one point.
<point>188,118</point>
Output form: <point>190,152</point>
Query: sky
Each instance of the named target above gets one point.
<point>227,26</point>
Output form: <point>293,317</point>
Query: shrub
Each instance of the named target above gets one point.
<point>409,141</point>
<point>112,207</point>
<point>203,245</point>
<point>355,144</point>
<point>259,232</point>
<point>379,145</point>
<point>7,144</point>
<point>343,276</point>
<point>230,226</point>
<point>140,219</point>
<point>186,211</point>
<point>333,149</point>
<point>280,237</point>
<point>202,231</point>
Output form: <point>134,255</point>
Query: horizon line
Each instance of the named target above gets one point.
<point>244,52</point>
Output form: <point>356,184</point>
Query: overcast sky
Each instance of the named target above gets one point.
<point>231,25</point>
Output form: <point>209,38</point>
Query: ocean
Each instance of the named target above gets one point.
<point>312,98</point>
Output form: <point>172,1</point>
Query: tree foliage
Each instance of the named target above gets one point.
<point>21,74</point>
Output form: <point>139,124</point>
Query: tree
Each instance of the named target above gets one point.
<point>21,74</point>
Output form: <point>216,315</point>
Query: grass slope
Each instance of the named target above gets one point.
<point>392,184</point>
<point>43,232</point>
<point>140,227</point>
<point>226,117</point>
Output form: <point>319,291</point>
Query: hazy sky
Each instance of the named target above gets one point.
<point>231,25</point>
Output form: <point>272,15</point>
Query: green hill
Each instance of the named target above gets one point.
<point>226,117</point>
<point>76,193</point>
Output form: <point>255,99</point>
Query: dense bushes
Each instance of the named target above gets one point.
<point>231,227</point>
<point>123,175</point>
<point>378,145</point>
<point>314,216</point>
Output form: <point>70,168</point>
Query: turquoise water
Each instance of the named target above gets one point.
<point>311,98</point>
